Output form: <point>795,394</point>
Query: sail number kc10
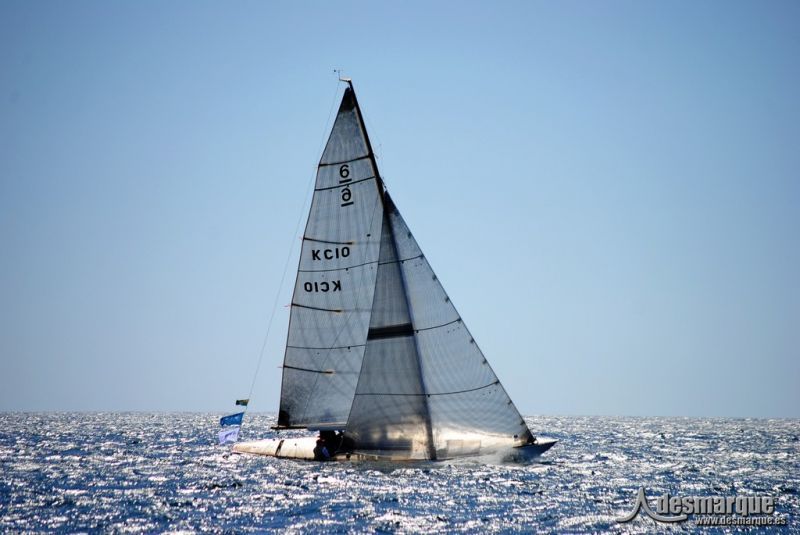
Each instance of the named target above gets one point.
<point>330,254</point>
<point>324,286</point>
<point>327,254</point>
<point>344,178</point>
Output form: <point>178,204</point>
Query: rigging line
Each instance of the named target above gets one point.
<point>431,393</point>
<point>345,268</point>
<point>289,256</point>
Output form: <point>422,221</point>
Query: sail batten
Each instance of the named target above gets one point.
<point>351,242</point>
<point>351,160</point>
<point>308,370</point>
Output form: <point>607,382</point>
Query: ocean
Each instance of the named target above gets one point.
<point>164,472</point>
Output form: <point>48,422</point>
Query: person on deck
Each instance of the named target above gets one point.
<point>321,452</point>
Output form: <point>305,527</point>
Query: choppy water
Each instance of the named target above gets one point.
<point>133,472</point>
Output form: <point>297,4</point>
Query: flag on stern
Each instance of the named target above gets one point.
<point>232,419</point>
<point>242,402</point>
<point>229,436</point>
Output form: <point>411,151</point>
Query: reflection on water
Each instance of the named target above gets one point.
<point>152,472</point>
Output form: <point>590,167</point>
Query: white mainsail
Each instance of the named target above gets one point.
<point>332,300</point>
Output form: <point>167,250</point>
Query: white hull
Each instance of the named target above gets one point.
<point>302,448</point>
<point>286,448</point>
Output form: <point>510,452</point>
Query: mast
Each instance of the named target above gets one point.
<point>389,205</point>
<point>378,179</point>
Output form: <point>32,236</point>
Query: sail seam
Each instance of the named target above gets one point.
<point>360,265</point>
<point>343,184</point>
<point>326,348</point>
<point>457,320</point>
<point>337,269</point>
<point>401,260</point>
<point>344,161</point>
<point>429,394</point>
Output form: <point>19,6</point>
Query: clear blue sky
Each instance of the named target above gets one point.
<point>609,192</point>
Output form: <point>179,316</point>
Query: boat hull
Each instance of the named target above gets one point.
<point>302,448</point>
<point>285,448</point>
<point>528,452</point>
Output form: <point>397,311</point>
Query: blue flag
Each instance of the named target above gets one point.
<point>233,419</point>
<point>227,436</point>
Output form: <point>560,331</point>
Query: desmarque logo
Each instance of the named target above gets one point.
<point>712,510</point>
<point>642,505</point>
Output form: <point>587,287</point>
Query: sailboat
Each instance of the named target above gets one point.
<point>378,362</point>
